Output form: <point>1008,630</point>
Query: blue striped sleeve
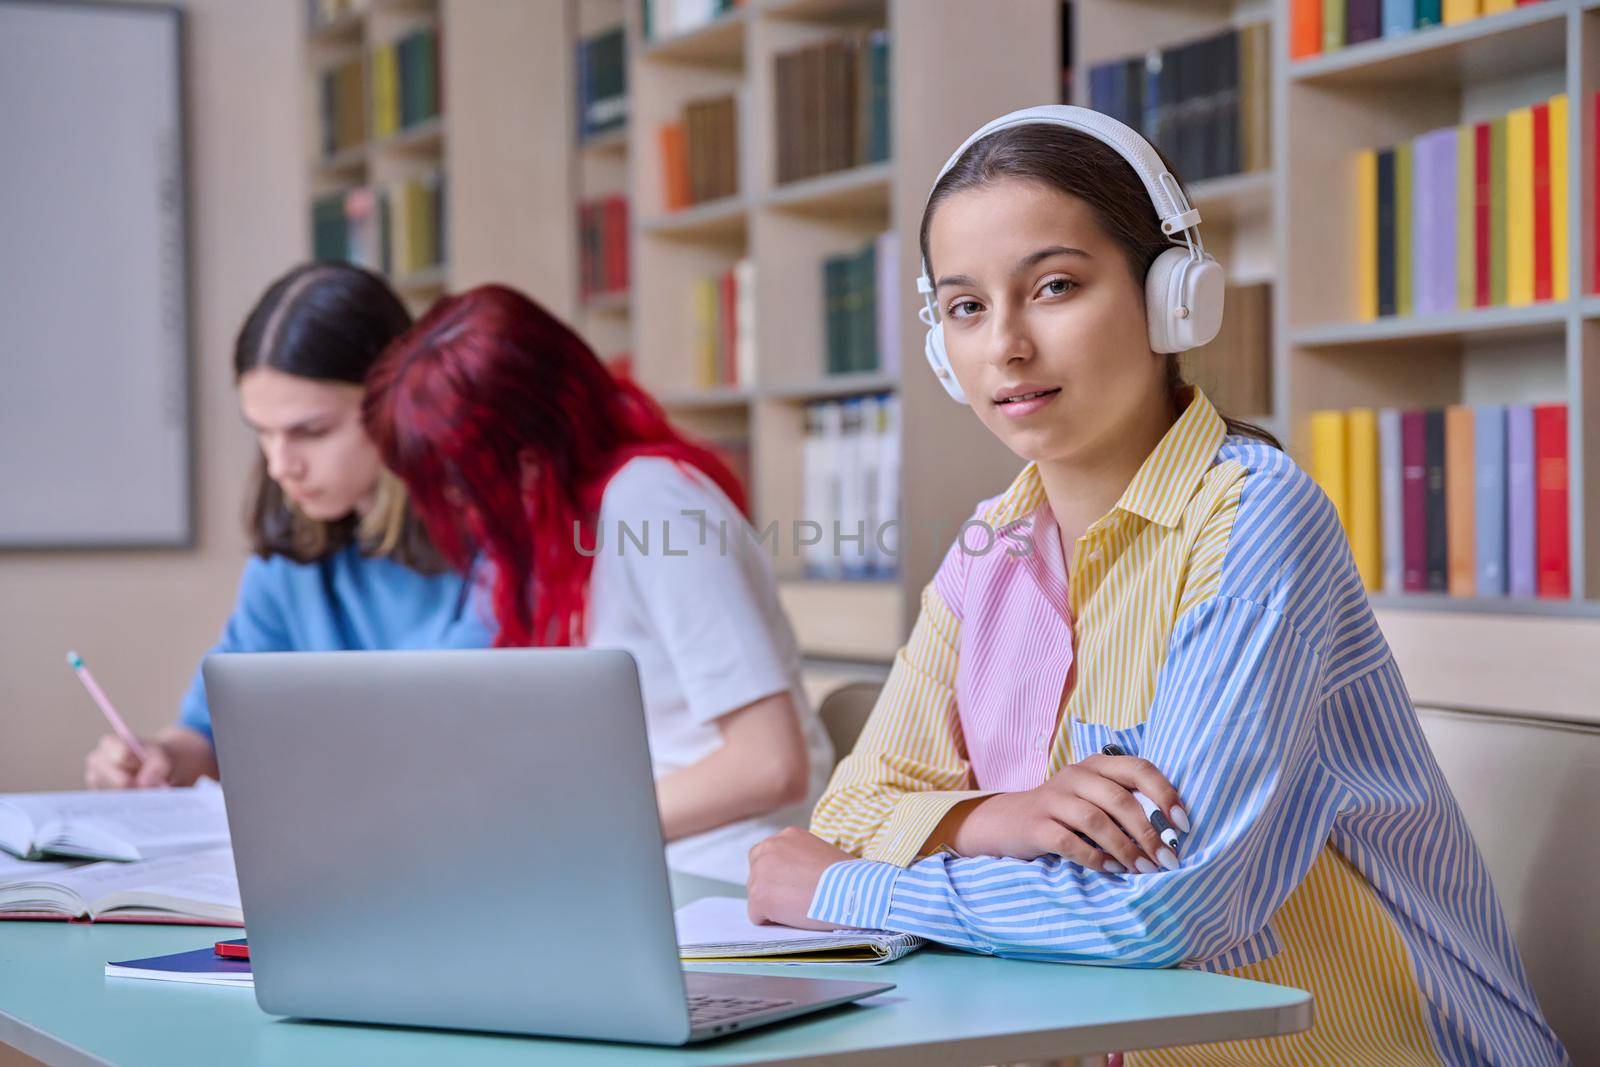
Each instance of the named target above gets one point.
<point>1233,726</point>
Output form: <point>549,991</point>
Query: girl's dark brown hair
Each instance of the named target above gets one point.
<point>328,322</point>
<point>1084,167</point>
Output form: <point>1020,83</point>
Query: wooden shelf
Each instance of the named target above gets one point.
<point>428,280</point>
<point>1538,319</point>
<point>858,191</point>
<point>344,30</point>
<point>1526,39</point>
<point>1232,199</point>
<point>848,11</point>
<point>722,221</point>
<point>424,138</point>
<point>710,398</point>
<point>614,141</point>
<point>342,164</point>
<point>719,43</point>
<point>620,303</point>
<point>1502,605</point>
<point>834,386</point>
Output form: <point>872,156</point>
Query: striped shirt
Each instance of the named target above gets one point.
<point>1213,622</point>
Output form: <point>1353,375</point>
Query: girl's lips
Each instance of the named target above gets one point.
<point>1017,409</point>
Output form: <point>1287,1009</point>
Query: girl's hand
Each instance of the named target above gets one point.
<point>113,765</point>
<point>1092,799</point>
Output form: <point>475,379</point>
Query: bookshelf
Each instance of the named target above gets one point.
<point>400,158</point>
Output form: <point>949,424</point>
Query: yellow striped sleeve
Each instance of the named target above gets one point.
<point>1204,567</point>
<point>910,766</point>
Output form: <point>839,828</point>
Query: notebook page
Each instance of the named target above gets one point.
<point>722,925</point>
<point>125,824</point>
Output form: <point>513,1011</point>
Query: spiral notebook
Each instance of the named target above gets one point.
<point>719,930</point>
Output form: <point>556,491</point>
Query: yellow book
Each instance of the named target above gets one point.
<point>385,92</point>
<point>705,316</point>
<point>1367,235</point>
<point>1494,7</point>
<point>1460,10</point>
<point>1330,461</point>
<point>1558,196</point>
<point>1361,430</point>
<point>1519,206</point>
<point>1466,231</point>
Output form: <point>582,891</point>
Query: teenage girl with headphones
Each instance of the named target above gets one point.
<point>1190,600</point>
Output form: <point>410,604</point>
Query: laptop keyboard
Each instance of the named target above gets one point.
<point>705,1009</point>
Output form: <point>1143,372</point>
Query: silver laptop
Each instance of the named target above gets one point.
<point>465,839</point>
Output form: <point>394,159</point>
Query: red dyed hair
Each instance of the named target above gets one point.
<point>507,428</point>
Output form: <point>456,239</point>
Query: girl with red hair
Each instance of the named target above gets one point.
<point>604,527</point>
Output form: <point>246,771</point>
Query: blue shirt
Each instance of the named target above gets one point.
<point>345,601</point>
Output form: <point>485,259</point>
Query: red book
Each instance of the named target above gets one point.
<point>1543,280</point>
<point>585,252</point>
<point>1550,499</point>
<point>1480,214</point>
<point>728,309</point>
<point>1414,497</point>
<point>1596,281</point>
<point>1305,29</point>
<point>617,210</point>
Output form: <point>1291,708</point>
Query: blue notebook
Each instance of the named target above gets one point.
<point>1490,448</point>
<point>202,966</point>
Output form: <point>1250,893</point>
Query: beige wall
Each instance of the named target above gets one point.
<point>142,619</point>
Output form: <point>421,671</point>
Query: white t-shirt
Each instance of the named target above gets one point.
<point>701,616</point>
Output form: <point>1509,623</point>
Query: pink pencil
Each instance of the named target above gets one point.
<point>106,709</point>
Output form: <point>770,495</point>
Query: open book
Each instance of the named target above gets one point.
<point>719,930</point>
<point>126,824</point>
<point>196,887</point>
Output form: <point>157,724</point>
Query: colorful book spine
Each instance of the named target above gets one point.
<point>1329,461</point>
<point>1404,297</point>
<point>1333,24</point>
<point>1384,243</point>
<point>1460,472</point>
<point>1521,503</point>
<point>1519,207</point>
<point>1489,450</point>
<point>1436,516</point>
<point>1560,265</point>
<point>1481,241</point>
<point>1466,216</point>
<point>1391,480</point>
<point>1305,29</point>
<point>1495,7</point>
<point>1363,20</point>
<point>1497,211</point>
<point>1433,222</point>
<point>1550,486</point>
<point>1414,493</point>
<point>1399,16</point>
<point>1460,11</point>
<point>1429,13</point>
<point>1367,234</point>
<point>1543,278</point>
<point>1361,429</point>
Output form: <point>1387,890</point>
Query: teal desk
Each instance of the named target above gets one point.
<point>951,1008</point>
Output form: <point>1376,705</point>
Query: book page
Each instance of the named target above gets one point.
<point>125,824</point>
<point>200,884</point>
<point>724,921</point>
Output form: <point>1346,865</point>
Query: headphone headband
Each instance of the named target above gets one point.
<point>1166,195</point>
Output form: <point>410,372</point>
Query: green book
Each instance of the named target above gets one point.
<point>1466,230</point>
<point>1333,22</point>
<point>834,283</point>
<point>866,311</point>
<point>1497,211</point>
<point>1402,228</point>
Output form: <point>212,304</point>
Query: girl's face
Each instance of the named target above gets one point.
<point>1043,321</point>
<point>311,435</point>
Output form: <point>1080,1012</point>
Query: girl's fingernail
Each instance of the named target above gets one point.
<point>1144,866</point>
<point>1180,819</point>
<point>1113,867</point>
<point>1168,859</point>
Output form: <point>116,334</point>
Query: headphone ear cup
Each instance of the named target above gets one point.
<point>1183,301</point>
<point>933,349</point>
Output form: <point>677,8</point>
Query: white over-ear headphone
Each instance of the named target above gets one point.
<point>1184,288</point>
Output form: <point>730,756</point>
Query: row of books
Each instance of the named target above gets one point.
<point>602,64</point>
<point>602,246</point>
<point>1469,500</point>
<point>724,326</point>
<point>668,18</point>
<point>1328,25</point>
<point>1235,369</point>
<point>342,106</point>
<point>1206,104</point>
<point>395,229</point>
<point>861,294</point>
<point>700,153</point>
<point>405,82</point>
<point>851,488</point>
<point>1465,216</point>
<point>832,105</point>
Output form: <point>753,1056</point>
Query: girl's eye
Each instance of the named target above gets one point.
<point>1057,287</point>
<point>960,309</point>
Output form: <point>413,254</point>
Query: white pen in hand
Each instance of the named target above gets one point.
<point>1158,818</point>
